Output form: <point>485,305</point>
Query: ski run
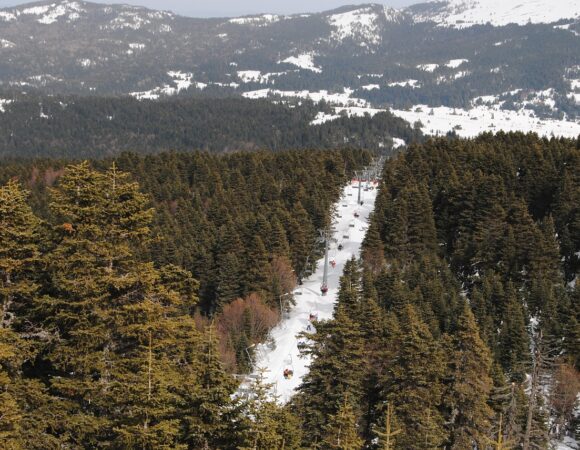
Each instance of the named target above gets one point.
<point>279,358</point>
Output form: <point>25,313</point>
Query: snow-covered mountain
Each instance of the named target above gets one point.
<point>466,13</point>
<point>356,56</point>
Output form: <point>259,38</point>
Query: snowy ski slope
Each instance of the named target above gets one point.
<point>309,300</point>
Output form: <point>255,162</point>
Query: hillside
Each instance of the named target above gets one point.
<point>365,56</point>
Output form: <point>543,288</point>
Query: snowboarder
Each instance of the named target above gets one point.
<point>340,247</point>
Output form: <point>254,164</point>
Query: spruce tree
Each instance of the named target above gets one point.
<point>413,384</point>
<point>468,384</point>
<point>19,254</point>
<point>341,432</point>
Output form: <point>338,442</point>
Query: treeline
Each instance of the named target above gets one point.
<point>462,319</point>
<point>88,127</point>
<point>243,225</point>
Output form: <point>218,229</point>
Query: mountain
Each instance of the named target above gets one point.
<point>433,55</point>
<point>466,13</point>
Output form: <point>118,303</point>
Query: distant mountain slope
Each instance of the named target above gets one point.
<point>355,55</point>
<point>465,13</point>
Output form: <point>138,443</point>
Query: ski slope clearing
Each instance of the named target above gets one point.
<point>309,301</point>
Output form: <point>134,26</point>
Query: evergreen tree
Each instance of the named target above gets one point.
<point>271,426</point>
<point>513,346</point>
<point>19,254</point>
<point>341,431</point>
<point>413,384</point>
<point>468,384</point>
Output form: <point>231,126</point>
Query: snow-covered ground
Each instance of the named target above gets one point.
<point>303,61</point>
<point>469,123</point>
<point>285,354</point>
<point>466,13</point>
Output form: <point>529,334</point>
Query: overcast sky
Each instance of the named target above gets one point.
<point>220,8</point>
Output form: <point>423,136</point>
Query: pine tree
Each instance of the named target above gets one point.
<point>413,384</point>
<point>387,435</point>
<point>213,418</point>
<point>513,337</point>
<point>18,255</point>
<point>337,370</point>
<point>124,351</point>
<point>469,385</point>
<point>271,426</point>
<point>341,432</point>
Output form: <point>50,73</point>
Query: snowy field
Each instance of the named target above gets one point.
<point>285,354</point>
<point>471,122</point>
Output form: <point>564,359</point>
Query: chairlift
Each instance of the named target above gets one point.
<point>356,214</point>
<point>340,247</point>
<point>345,236</point>
<point>324,289</point>
<point>333,263</point>
<point>288,373</point>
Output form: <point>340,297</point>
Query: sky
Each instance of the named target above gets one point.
<point>228,8</point>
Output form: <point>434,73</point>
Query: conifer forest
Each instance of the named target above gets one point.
<point>132,288</point>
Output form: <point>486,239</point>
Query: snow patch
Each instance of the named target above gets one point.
<point>338,99</point>
<point>407,83</point>
<point>3,104</point>
<point>370,87</point>
<point>428,67</point>
<point>304,61</point>
<point>85,62</point>
<point>467,13</point>
<point>484,117</point>
<point>6,16</point>
<point>455,63</point>
<point>6,44</point>
<point>257,21</point>
<point>359,25</point>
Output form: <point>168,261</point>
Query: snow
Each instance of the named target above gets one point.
<point>340,99</point>
<point>6,16</point>
<point>129,19</point>
<point>398,142</point>
<point>359,25</point>
<point>248,76</point>
<point>467,13</point>
<point>304,61</point>
<point>258,21</point>
<point>85,62</point>
<point>469,123</point>
<point>370,87</point>
<point>50,13</point>
<point>567,444</point>
<point>567,28</point>
<point>309,300</point>
<point>255,76</point>
<point>428,67</point>
<point>182,80</point>
<point>406,83</point>
<point>323,117</point>
<point>455,63</point>
<point>3,104</point>
<point>6,44</point>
